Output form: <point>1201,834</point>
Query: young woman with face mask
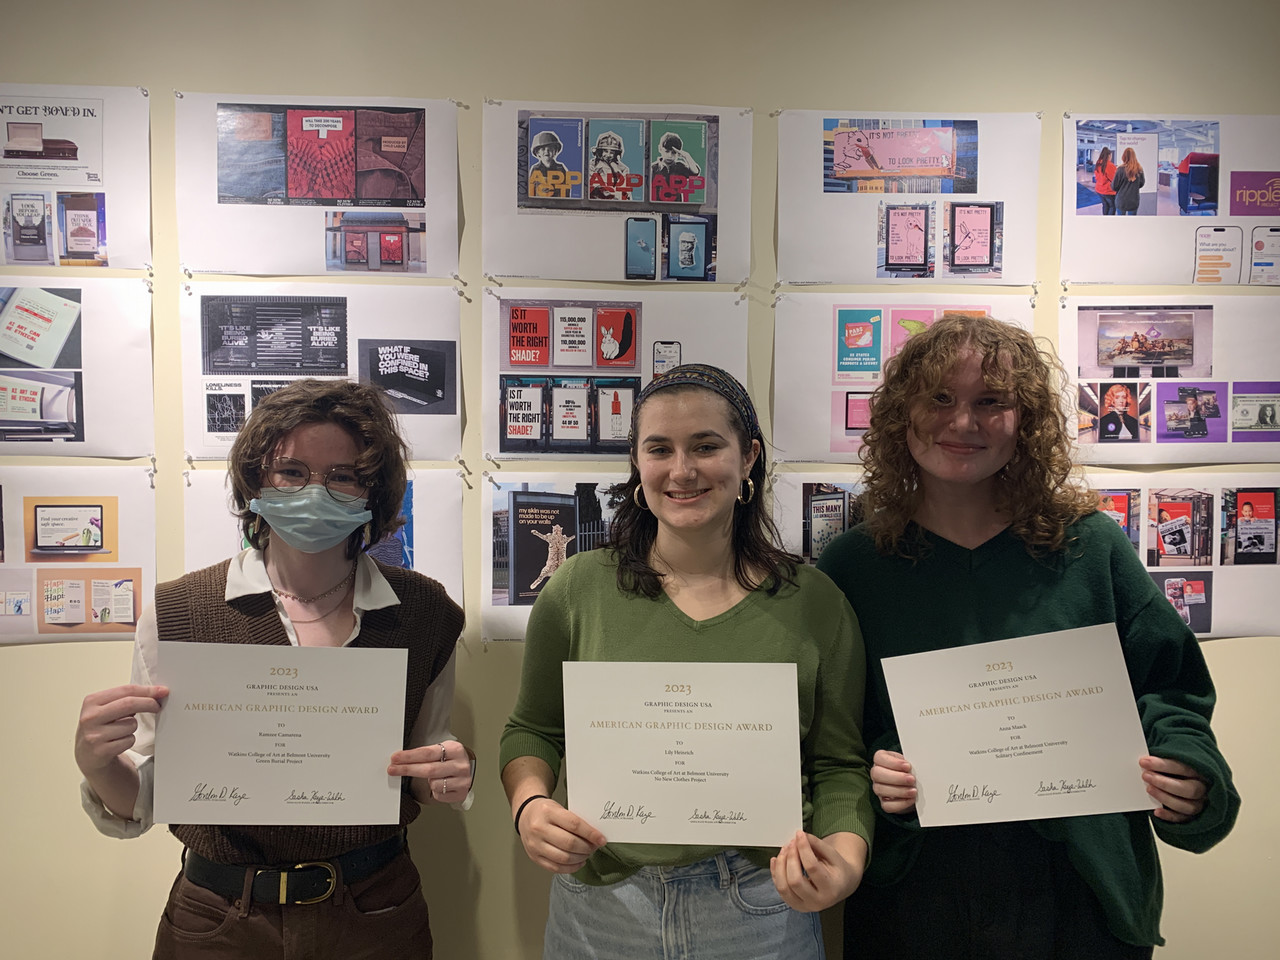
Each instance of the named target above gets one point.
<point>317,476</point>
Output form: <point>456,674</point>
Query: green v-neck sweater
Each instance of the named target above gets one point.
<point>949,596</point>
<point>582,615</point>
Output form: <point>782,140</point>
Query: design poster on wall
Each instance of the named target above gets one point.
<point>242,341</point>
<point>430,541</point>
<point>829,356</point>
<point>1208,541</point>
<point>812,509</point>
<point>1199,198</point>
<point>866,196</point>
<point>330,185</point>
<point>532,524</point>
<point>76,163</point>
<point>1169,380</point>
<point>578,191</point>
<point>75,368</point>
<point>77,552</point>
<point>563,368</point>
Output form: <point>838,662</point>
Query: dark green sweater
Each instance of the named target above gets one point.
<point>582,615</point>
<point>951,596</point>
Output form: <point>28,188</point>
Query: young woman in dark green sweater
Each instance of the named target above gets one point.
<point>977,531</point>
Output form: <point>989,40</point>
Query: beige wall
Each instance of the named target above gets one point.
<point>70,892</point>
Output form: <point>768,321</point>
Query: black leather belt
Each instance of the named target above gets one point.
<point>309,882</point>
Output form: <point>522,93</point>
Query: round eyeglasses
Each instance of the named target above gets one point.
<point>290,476</point>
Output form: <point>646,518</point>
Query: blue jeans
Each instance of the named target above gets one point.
<point>722,908</point>
<point>1108,204</point>
<point>251,157</point>
<point>1129,213</point>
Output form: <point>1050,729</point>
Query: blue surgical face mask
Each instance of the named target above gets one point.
<point>309,520</point>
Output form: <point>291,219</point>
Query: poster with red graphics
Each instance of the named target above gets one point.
<point>530,336</point>
<point>615,337</point>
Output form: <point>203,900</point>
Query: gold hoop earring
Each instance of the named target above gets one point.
<point>751,492</point>
<point>635,495</point>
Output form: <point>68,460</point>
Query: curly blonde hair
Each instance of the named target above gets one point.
<point>1038,487</point>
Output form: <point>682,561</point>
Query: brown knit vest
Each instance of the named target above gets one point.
<point>426,623</point>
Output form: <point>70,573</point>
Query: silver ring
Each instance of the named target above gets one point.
<point>443,757</point>
<point>444,786</point>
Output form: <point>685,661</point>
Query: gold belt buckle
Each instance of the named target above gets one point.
<point>284,882</point>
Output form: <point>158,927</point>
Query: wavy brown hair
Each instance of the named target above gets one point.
<point>1131,165</point>
<point>357,408</point>
<point>1038,487</point>
<point>757,558</point>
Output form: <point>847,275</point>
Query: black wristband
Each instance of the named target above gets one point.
<point>527,801</point>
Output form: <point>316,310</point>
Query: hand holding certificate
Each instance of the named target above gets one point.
<point>278,735</point>
<point>1021,729</point>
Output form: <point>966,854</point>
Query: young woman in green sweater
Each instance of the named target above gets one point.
<point>693,573</point>
<point>976,531</point>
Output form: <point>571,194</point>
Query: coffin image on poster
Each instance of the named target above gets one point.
<point>542,530</point>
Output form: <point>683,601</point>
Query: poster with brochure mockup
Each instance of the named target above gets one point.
<point>242,341</point>
<point>562,368</point>
<point>590,191</point>
<point>77,552</point>
<point>829,356</point>
<point>866,196</point>
<point>429,541</point>
<point>75,367</point>
<point>75,176</point>
<point>317,185</point>
<point>1163,199</point>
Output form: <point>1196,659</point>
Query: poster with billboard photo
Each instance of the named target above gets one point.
<point>829,356</point>
<point>77,560</point>
<point>883,195</point>
<point>430,541</point>
<point>562,369</point>
<point>1158,379</point>
<point>1162,199</point>
<point>812,509</point>
<point>242,341</point>
<point>533,523</point>
<point>319,185</point>
<point>76,163</point>
<point>582,191</point>
<point>75,367</point>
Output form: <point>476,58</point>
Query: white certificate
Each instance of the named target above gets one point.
<point>696,753</point>
<point>278,735</point>
<point>1022,729</point>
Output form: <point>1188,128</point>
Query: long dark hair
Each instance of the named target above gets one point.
<point>757,558</point>
<point>1103,159</point>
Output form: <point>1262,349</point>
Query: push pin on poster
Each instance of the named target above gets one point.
<point>490,458</point>
<point>488,476</point>
<point>457,458</point>
<point>463,477</point>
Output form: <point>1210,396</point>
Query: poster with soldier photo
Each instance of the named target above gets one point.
<point>596,189</point>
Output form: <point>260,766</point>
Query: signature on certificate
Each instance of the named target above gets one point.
<point>1078,785</point>
<point>717,816</point>
<point>960,794</point>
<point>315,796</point>
<point>613,810</point>
<point>203,793</point>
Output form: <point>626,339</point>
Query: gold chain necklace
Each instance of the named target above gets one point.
<point>351,575</point>
<point>326,614</point>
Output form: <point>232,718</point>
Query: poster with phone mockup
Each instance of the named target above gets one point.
<point>1167,199</point>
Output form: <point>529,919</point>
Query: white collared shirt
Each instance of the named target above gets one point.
<point>247,576</point>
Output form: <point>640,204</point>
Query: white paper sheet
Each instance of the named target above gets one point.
<point>608,341</point>
<point>588,240</point>
<point>1022,729</point>
<point>78,555</point>
<point>235,218</point>
<point>242,339</point>
<point>278,735</point>
<point>826,235</point>
<point>672,752</point>
<point>92,143</point>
